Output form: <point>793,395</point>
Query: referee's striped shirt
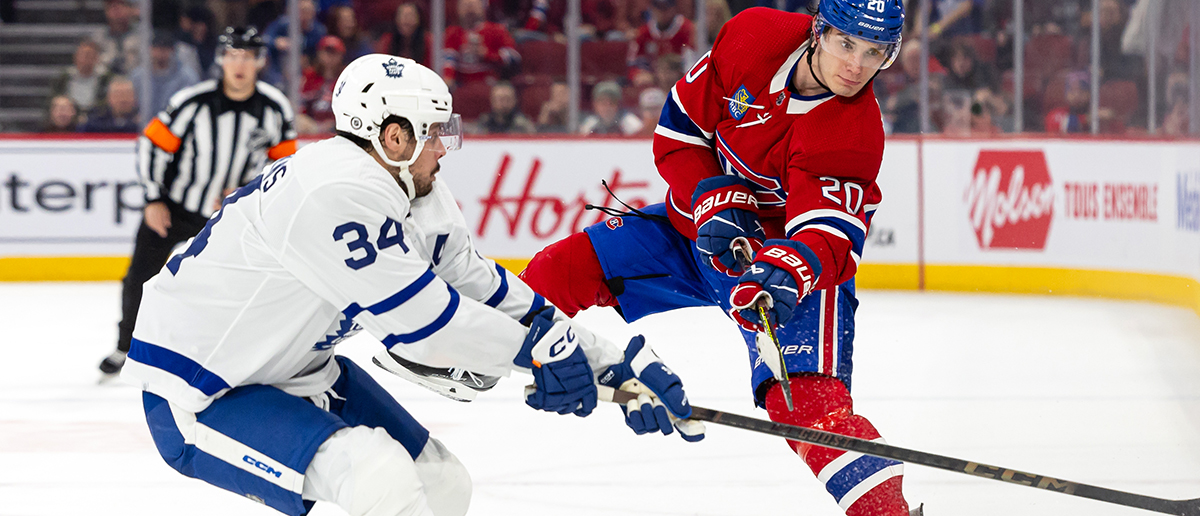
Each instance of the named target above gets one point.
<point>205,143</point>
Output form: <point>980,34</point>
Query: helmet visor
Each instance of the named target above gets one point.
<point>864,53</point>
<point>450,132</point>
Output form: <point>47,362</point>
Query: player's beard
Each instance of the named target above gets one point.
<point>425,185</point>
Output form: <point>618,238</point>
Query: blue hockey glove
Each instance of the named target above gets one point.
<point>782,273</point>
<point>562,378</point>
<point>659,391</point>
<point>726,216</point>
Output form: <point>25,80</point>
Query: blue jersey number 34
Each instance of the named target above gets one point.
<point>362,253</point>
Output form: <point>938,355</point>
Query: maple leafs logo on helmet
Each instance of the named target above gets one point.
<point>393,69</point>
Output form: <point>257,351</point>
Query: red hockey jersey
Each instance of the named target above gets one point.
<point>811,161</point>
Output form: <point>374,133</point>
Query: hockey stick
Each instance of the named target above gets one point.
<point>743,259</point>
<point>842,442</point>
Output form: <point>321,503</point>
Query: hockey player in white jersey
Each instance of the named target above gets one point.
<point>233,345</point>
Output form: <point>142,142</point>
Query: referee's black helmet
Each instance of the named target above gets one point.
<point>241,37</point>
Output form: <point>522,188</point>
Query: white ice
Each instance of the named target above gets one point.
<point>1094,391</point>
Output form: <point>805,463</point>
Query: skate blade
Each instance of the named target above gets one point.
<point>455,392</point>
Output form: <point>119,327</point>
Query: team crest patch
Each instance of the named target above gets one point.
<point>614,223</point>
<point>740,102</point>
<point>393,68</point>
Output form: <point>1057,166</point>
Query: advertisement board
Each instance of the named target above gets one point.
<point>1076,216</point>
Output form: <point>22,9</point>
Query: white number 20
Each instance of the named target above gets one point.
<point>853,194</point>
<point>876,5</point>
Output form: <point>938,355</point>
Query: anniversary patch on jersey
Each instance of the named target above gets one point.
<point>740,103</point>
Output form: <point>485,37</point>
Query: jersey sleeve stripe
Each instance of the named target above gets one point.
<point>442,320</point>
<point>676,119</point>
<point>161,136</point>
<point>836,228</point>
<point>285,148</point>
<point>816,214</point>
<point>502,291</point>
<point>538,303</point>
<point>685,213</point>
<point>394,300</point>
<point>185,368</point>
<point>663,131</point>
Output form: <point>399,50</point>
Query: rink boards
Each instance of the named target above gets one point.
<point>1114,218</point>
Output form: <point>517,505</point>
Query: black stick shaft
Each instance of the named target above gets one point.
<point>842,442</point>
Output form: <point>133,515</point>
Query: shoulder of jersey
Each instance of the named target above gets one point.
<point>275,95</point>
<point>338,161</point>
<point>760,35</point>
<point>193,91</point>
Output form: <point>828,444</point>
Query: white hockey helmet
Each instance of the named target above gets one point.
<point>377,86</point>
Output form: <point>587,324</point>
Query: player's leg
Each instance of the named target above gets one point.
<point>150,252</point>
<point>637,264</point>
<point>255,441</point>
<point>818,346</point>
<point>363,403</point>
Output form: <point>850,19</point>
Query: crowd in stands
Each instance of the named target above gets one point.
<point>505,61</point>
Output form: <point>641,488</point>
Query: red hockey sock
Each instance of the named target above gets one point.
<point>568,274</point>
<point>861,484</point>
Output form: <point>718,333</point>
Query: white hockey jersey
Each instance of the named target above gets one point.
<point>317,247</point>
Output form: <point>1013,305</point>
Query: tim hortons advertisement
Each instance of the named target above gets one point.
<point>68,198</point>
<point>1057,203</point>
<point>520,196</point>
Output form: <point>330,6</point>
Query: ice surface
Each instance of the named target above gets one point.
<point>1093,391</point>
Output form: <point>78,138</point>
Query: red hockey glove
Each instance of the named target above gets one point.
<point>726,215</point>
<point>783,273</point>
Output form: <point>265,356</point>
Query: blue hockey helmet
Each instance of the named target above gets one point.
<point>876,21</point>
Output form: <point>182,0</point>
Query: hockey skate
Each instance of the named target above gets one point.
<point>919,511</point>
<point>454,383</point>
<point>110,367</point>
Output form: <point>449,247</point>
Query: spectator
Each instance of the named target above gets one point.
<point>952,18</point>
<point>900,98</point>
<point>1114,63</point>
<point>1175,122</point>
<point>982,119</point>
<point>1057,17</point>
<point>965,71</point>
<point>85,82</point>
<point>316,95</point>
<point>196,30</point>
<point>650,105</point>
<point>119,114</point>
<point>552,118</point>
<point>997,109</point>
<point>476,49</point>
<point>668,69</point>
<point>666,32</point>
<point>504,118</point>
<point>117,34</point>
<point>539,20</point>
<point>608,117</point>
<point>343,23</point>
<point>956,112</point>
<point>1072,118</point>
<point>716,14</point>
<point>278,44</point>
<point>167,74</point>
<point>408,36</point>
<point>604,19</point>
<point>62,117</point>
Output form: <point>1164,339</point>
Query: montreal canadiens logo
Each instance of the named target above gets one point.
<point>1010,200</point>
<point>614,223</point>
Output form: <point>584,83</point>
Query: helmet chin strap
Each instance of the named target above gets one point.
<point>812,49</point>
<point>405,176</point>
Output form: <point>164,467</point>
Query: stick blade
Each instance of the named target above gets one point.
<point>1188,507</point>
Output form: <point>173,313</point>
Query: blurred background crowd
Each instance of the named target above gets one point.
<point>985,66</point>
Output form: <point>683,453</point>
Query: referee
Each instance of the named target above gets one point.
<point>212,138</point>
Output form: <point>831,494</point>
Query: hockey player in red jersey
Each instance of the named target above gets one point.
<point>770,144</point>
